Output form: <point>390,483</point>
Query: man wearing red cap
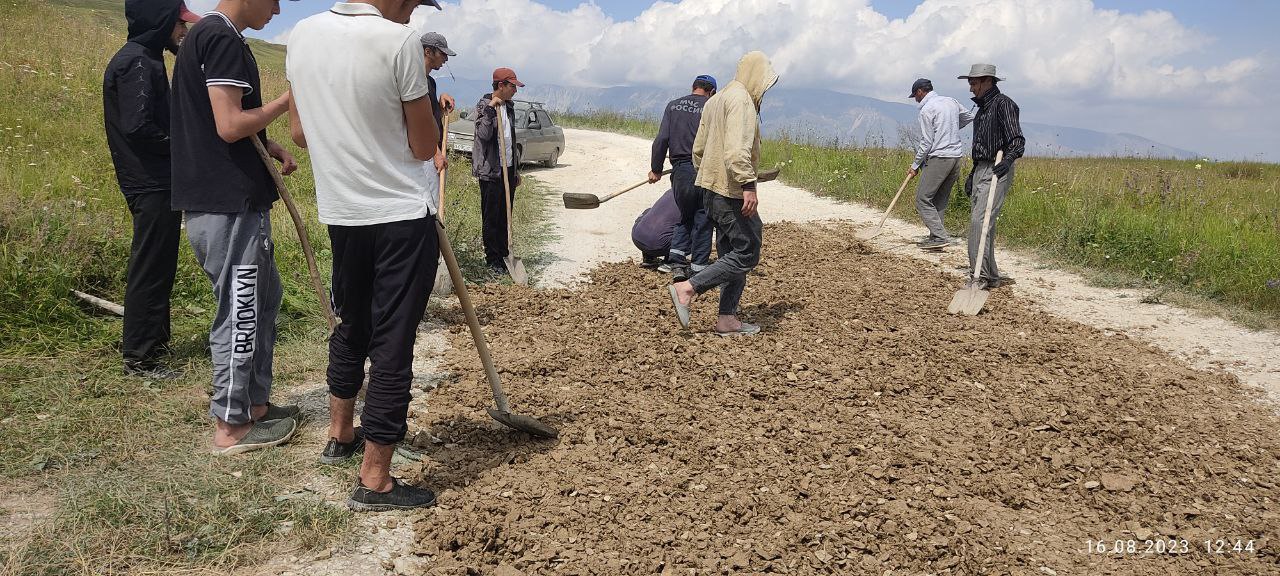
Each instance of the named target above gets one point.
<point>135,102</point>
<point>486,165</point>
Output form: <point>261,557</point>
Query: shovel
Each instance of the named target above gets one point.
<point>502,411</point>
<point>443,285</point>
<point>302,233</point>
<point>880,227</point>
<point>585,201</point>
<point>969,300</point>
<point>515,266</point>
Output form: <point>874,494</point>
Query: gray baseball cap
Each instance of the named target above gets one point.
<point>980,70</point>
<point>436,40</point>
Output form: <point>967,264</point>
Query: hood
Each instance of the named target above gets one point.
<point>756,74</point>
<point>151,21</point>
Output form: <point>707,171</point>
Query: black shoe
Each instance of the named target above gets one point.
<point>680,272</point>
<point>401,497</point>
<point>280,412</point>
<point>335,452</point>
<point>651,263</point>
<point>498,269</point>
<point>151,371</point>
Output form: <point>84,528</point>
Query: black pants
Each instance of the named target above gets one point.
<point>382,277</point>
<point>493,212</point>
<point>153,262</point>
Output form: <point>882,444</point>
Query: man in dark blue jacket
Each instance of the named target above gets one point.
<point>692,235</point>
<point>135,101</point>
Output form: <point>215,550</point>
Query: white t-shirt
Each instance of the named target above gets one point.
<point>509,134</point>
<point>350,70</point>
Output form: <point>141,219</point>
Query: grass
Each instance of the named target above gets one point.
<point>124,457</point>
<point>1183,230</point>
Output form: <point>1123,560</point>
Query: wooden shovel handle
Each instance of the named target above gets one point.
<point>302,232</point>
<point>444,149</point>
<point>506,184</point>
<point>468,310</point>
<point>608,197</point>
<point>986,221</point>
<point>893,202</point>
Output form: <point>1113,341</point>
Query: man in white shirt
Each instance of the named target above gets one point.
<point>362,108</point>
<point>937,159</point>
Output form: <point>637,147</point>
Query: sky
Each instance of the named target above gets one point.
<point>1197,75</point>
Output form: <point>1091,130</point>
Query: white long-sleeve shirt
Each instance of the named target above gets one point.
<point>941,119</point>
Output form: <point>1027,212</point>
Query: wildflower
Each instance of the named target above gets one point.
<point>1197,166</point>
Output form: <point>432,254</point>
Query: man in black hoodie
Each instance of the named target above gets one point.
<point>135,102</point>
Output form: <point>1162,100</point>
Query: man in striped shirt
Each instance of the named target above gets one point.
<point>937,158</point>
<point>995,129</point>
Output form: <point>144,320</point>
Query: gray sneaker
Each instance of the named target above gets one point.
<point>261,435</point>
<point>280,412</point>
<point>935,243</point>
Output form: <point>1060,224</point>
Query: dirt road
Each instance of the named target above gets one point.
<point>599,162</point>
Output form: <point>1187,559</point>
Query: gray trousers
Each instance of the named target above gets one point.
<point>738,243</point>
<point>979,187</point>
<point>236,252</point>
<point>933,192</point>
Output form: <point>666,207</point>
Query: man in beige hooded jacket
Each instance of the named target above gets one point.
<point>725,153</point>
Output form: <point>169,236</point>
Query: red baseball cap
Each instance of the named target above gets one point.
<point>506,75</point>
<point>186,15</point>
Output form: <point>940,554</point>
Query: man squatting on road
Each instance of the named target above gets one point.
<point>995,128</point>
<point>937,158</point>
<point>691,239</point>
<point>725,153</point>
<point>653,229</point>
<point>486,165</point>
<point>135,107</point>
<point>363,109</point>
<point>226,191</point>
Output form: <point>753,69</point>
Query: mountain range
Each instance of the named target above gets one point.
<point>824,116</point>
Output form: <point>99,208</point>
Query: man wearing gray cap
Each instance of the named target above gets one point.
<point>995,129</point>
<point>436,52</point>
<point>937,158</point>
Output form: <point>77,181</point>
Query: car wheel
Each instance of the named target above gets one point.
<point>553,160</point>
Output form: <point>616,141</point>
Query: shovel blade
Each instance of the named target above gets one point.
<point>444,284</point>
<point>516,267</point>
<point>968,300</point>
<point>524,424</point>
<point>580,200</point>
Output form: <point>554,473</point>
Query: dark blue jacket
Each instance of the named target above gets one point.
<point>135,98</point>
<point>654,227</point>
<point>679,127</point>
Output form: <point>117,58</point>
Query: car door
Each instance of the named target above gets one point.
<point>552,136</point>
<point>536,150</point>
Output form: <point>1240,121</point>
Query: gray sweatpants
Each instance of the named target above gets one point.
<point>236,252</point>
<point>937,176</point>
<point>979,187</point>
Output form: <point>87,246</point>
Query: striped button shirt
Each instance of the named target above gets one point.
<point>996,128</point>
<point>941,119</point>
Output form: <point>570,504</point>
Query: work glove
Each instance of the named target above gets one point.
<point>1002,168</point>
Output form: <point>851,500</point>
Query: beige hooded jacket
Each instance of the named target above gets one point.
<point>728,143</point>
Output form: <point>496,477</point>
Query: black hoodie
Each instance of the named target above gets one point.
<point>135,98</point>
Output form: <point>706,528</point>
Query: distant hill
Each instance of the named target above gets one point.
<point>827,117</point>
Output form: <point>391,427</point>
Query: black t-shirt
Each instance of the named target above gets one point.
<point>210,175</point>
<point>436,110</point>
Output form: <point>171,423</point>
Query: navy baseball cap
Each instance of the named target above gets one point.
<point>920,83</point>
<point>708,79</point>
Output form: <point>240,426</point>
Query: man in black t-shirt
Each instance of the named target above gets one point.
<point>436,52</point>
<point>226,192</point>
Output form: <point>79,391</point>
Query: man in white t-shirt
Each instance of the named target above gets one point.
<point>361,106</point>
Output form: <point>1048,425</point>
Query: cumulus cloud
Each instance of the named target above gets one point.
<point>1067,48</point>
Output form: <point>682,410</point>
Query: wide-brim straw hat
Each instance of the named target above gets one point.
<point>981,70</point>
